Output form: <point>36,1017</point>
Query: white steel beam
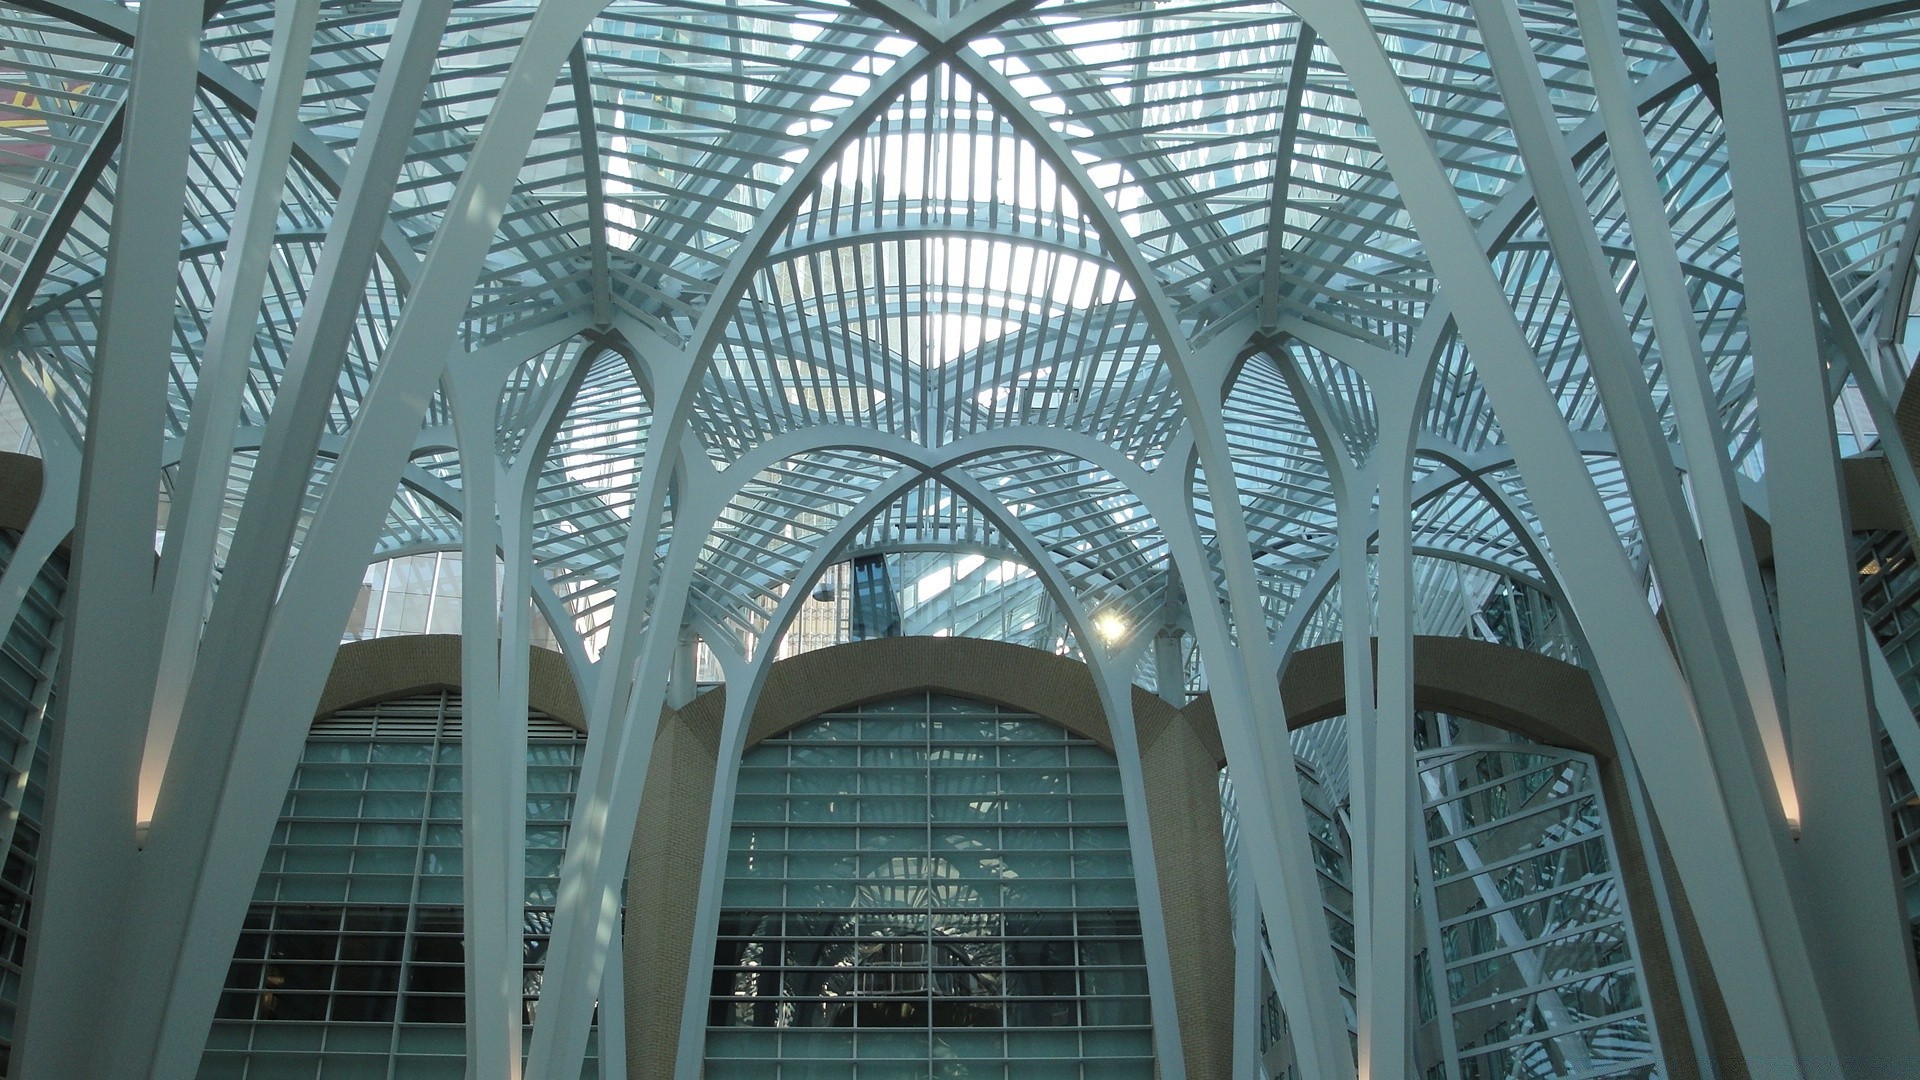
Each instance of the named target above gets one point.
<point>493,742</point>
<point>84,884</point>
<point>1253,723</point>
<point>200,488</point>
<point>1858,933</point>
<point>1720,511</point>
<point>1640,673</point>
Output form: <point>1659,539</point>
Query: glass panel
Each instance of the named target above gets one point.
<point>932,956</point>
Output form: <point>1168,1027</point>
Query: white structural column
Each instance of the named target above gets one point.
<point>1379,697</point>
<point>1639,673</point>
<point>1240,663</point>
<point>1716,495</point>
<point>1249,964</point>
<point>493,743</point>
<point>579,944</point>
<point>613,776</point>
<point>1112,674</point>
<point>1253,727</point>
<point>1389,960</point>
<point>1700,625</point>
<point>1854,921</point>
<point>175,867</point>
<point>743,683</point>
<point>319,589</point>
<point>89,846</point>
<point>200,486</point>
<point>1380,1013</point>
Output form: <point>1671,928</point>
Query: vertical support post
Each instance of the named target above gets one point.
<point>1273,839</point>
<point>613,777</point>
<point>1111,671</point>
<point>1390,750</point>
<point>1436,961</point>
<point>611,1046</point>
<point>1170,667</point>
<point>1657,706</point>
<point>200,490</point>
<point>1379,883</point>
<point>493,751</point>
<point>80,902</point>
<point>1857,933</point>
<point>744,680</point>
<point>1247,964</point>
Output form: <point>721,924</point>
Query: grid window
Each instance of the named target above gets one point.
<point>352,960</point>
<point>1529,936</point>
<point>28,654</point>
<point>929,884</point>
<point>1889,589</point>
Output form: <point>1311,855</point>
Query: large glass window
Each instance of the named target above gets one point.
<point>1525,912</point>
<point>929,886</point>
<point>1890,597</point>
<point>352,961</point>
<point>27,657</point>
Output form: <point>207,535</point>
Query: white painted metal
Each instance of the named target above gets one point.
<point>81,942</point>
<point>1654,701</point>
<point>200,494</point>
<point>1856,934</point>
<point>720,233</point>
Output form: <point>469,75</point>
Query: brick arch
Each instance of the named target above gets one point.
<point>383,669</point>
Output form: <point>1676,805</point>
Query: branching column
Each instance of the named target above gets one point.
<point>84,883</point>
<point>1865,970</point>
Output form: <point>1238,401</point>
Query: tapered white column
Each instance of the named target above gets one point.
<point>1656,705</point>
<point>83,882</point>
<point>1386,955</point>
<point>619,749</point>
<point>1276,858</point>
<point>1857,933</point>
<point>493,747</point>
<point>200,485</point>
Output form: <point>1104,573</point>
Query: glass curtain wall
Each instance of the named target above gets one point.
<point>1890,598</point>
<point>351,961</point>
<point>28,656</point>
<point>924,880</point>
<point>1524,910</point>
<point>420,594</point>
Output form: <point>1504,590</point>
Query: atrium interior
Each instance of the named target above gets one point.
<point>1014,539</point>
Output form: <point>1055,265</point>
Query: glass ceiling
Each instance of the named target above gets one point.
<point>946,226</point>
